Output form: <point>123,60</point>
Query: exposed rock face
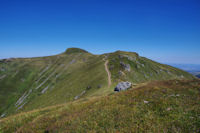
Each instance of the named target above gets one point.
<point>127,67</point>
<point>122,86</point>
<point>130,58</point>
<point>44,90</point>
<point>22,98</point>
<point>3,115</point>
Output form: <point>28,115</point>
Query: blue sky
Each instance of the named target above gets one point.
<point>167,31</point>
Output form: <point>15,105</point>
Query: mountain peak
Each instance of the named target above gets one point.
<point>75,50</point>
<point>126,52</point>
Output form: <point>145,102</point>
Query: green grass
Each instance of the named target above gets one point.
<point>173,106</point>
<point>70,73</point>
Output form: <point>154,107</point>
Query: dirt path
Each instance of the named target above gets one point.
<point>108,72</point>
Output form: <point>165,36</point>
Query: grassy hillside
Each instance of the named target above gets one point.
<point>33,83</point>
<point>142,69</point>
<point>159,106</point>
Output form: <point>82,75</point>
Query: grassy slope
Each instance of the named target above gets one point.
<point>173,106</point>
<point>69,74</point>
<point>76,80</point>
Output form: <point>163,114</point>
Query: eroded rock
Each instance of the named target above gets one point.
<point>3,76</point>
<point>3,115</point>
<point>45,89</point>
<point>77,97</point>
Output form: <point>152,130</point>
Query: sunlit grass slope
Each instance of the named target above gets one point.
<point>158,106</point>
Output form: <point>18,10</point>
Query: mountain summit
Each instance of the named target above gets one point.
<point>75,50</point>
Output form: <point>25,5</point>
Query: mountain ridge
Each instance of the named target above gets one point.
<point>31,83</point>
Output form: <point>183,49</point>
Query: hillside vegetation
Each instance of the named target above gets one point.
<point>34,83</point>
<point>158,106</point>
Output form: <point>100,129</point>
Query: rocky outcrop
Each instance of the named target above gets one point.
<point>3,115</point>
<point>130,58</point>
<point>122,86</point>
<point>127,67</point>
<point>23,97</point>
<point>45,89</point>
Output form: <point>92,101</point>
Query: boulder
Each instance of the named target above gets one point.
<point>122,86</point>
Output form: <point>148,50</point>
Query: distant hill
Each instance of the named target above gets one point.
<point>194,69</point>
<point>188,67</point>
<point>198,75</point>
<point>34,83</point>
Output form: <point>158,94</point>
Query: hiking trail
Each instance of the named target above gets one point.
<point>108,73</point>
